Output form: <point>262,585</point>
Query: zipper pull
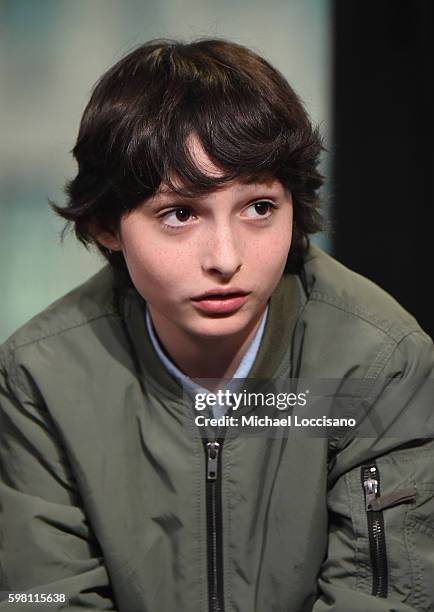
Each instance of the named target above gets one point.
<point>212,449</point>
<point>393,499</point>
<point>370,485</point>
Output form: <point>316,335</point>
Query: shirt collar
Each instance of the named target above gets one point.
<point>186,382</point>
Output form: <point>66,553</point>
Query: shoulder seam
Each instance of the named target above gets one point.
<point>15,347</point>
<point>420,332</point>
<point>359,313</point>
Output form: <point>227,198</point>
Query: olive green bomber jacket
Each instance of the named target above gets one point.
<point>103,492</point>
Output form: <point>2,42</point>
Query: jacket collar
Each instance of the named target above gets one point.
<point>274,354</point>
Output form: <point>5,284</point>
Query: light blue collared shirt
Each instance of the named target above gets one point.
<point>186,382</point>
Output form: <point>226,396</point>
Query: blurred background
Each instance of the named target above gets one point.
<point>363,70</point>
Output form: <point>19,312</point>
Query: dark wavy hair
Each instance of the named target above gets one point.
<point>134,136</point>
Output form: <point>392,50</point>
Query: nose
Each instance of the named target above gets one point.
<point>221,254</point>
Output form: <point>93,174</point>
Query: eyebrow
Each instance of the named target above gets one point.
<point>166,198</point>
<point>167,195</point>
<point>161,198</point>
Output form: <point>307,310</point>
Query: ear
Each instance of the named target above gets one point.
<point>106,238</point>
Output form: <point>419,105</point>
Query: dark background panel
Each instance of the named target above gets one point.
<point>383,117</point>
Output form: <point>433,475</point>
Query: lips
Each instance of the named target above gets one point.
<point>220,295</point>
<point>220,303</point>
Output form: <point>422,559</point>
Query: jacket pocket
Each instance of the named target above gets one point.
<point>381,534</point>
<point>419,536</point>
<point>396,540</point>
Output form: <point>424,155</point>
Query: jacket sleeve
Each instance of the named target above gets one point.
<point>382,557</point>
<point>46,544</point>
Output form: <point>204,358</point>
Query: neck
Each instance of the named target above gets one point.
<point>199,357</point>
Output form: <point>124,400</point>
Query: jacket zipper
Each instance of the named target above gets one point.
<point>213,450</point>
<point>377,540</point>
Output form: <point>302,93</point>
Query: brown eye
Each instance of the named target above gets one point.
<point>177,217</point>
<point>260,209</point>
<point>183,214</point>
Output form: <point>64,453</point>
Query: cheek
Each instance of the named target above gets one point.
<point>283,238</point>
<point>272,251</point>
<point>156,270</point>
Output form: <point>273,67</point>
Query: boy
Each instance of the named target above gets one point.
<point>197,180</point>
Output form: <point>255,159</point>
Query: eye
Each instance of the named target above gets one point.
<point>262,209</point>
<point>177,217</point>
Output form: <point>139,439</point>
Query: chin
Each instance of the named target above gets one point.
<point>220,327</point>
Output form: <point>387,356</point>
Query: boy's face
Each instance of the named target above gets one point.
<point>235,239</point>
